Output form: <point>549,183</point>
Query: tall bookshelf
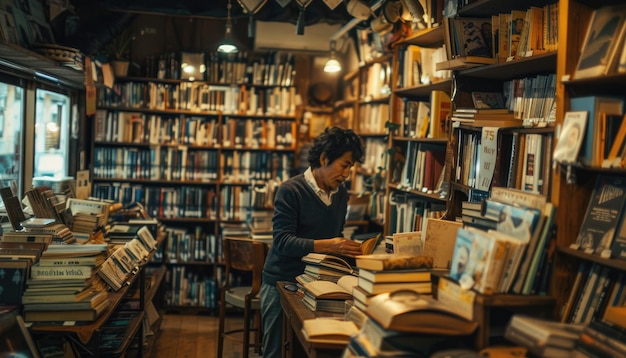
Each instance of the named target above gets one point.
<point>464,141</point>
<point>412,188</point>
<point>364,108</point>
<point>574,183</point>
<point>197,154</point>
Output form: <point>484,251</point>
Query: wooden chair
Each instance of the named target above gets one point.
<point>242,255</point>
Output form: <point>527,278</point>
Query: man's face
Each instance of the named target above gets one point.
<point>335,173</point>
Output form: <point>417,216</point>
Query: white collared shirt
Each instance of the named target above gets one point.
<point>310,179</point>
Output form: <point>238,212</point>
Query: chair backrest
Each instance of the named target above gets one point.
<point>245,255</point>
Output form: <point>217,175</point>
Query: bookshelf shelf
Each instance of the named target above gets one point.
<point>421,194</point>
<point>431,37</point>
<point>612,263</point>
<point>424,90</point>
<point>517,68</point>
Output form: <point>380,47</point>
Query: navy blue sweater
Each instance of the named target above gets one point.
<point>300,217</point>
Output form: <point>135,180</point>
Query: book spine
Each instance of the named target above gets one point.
<point>53,273</point>
<point>77,261</point>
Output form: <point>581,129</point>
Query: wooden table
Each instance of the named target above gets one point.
<point>294,313</point>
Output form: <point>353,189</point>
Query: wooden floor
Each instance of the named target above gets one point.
<point>195,336</point>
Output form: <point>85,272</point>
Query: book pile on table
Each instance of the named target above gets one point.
<point>86,222</point>
<point>63,285</point>
<point>404,323</point>
<point>379,273</point>
<point>326,283</point>
<point>61,233</point>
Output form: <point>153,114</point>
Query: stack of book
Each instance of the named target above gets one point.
<point>601,338</point>
<point>86,222</point>
<point>492,117</point>
<point>61,233</point>
<point>326,267</point>
<point>379,273</point>
<point>260,226</point>
<point>328,296</point>
<point>543,337</point>
<point>405,323</point>
<point>63,285</point>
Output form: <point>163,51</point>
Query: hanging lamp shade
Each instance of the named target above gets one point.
<point>332,65</point>
<point>251,7</point>
<point>227,45</point>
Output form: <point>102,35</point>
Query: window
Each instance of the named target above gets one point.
<point>51,134</point>
<point>11,119</point>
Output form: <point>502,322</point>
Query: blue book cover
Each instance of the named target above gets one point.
<point>594,105</point>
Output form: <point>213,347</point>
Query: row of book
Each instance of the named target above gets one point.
<point>135,127</point>
<point>425,119</point>
<point>419,166</point>
<point>409,213</point>
<point>183,164</point>
<point>504,36</point>
<point>375,157</point>
<point>417,66</point>
<point>190,245</point>
<point>186,287</point>
<point>182,201</point>
<point>518,160</point>
<point>201,97</point>
<point>271,69</point>
<point>373,118</point>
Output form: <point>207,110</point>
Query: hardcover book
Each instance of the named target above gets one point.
<point>328,330</point>
<point>408,311</point>
<point>604,212</point>
<point>423,287</point>
<point>571,137</point>
<point>378,262</point>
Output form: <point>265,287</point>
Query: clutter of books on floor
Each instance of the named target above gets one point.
<point>64,261</point>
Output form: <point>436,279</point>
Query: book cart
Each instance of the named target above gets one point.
<point>141,287</point>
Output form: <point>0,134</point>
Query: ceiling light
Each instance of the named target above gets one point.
<point>227,45</point>
<point>332,65</point>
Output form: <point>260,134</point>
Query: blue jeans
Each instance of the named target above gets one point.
<point>272,320</point>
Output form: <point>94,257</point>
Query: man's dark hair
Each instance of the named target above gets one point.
<point>334,142</point>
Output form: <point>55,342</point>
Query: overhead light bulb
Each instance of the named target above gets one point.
<point>332,65</point>
<point>227,45</point>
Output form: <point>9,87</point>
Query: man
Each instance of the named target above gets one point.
<point>309,215</point>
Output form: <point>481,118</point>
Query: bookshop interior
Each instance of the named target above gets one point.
<point>143,145</point>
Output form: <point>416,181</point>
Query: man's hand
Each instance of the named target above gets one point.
<point>338,245</point>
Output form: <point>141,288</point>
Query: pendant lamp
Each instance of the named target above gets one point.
<point>227,45</point>
<point>302,4</point>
